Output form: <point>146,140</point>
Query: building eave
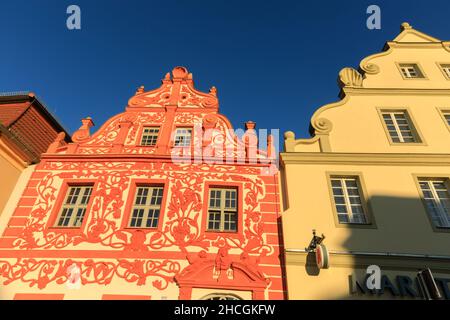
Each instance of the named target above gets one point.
<point>381,159</point>
<point>18,97</point>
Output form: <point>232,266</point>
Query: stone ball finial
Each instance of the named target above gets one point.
<point>289,135</point>
<point>180,73</point>
<point>405,26</point>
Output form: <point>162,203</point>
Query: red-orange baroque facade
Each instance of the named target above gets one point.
<point>164,201</point>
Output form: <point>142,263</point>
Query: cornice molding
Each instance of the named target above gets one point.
<point>395,91</point>
<point>391,159</point>
<point>386,261</point>
<point>415,45</point>
<point>117,157</point>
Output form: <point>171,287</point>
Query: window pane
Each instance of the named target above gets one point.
<point>411,71</point>
<point>147,207</point>
<point>447,118</point>
<point>149,136</point>
<point>348,200</point>
<point>152,218</point>
<point>65,217</point>
<point>183,137</point>
<point>336,183</point>
<point>339,200</point>
<point>74,208</point>
<point>222,214</point>
<point>214,220</point>
<point>351,183</point>
<point>446,69</point>
<point>355,200</point>
<point>436,196</point>
<point>398,126</point>
<point>79,217</point>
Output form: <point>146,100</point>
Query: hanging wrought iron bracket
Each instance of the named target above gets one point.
<point>315,241</point>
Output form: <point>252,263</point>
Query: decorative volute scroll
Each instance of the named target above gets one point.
<point>83,133</point>
<point>176,90</point>
<point>349,77</point>
<point>59,142</point>
<point>321,125</point>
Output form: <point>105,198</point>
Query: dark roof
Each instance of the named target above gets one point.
<point>28,125</point>
<point>14,104</point>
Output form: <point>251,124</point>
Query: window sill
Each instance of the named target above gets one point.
<point>213,234</point>
<point>72,230</point>
<point>141,228</point>
<point>357,225</point>
<point>441,229</point>
<point>418,144</point>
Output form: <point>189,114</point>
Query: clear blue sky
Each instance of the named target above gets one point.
<point>273,62</point>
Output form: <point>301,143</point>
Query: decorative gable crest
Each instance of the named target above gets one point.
<point>409,34</point>
<point>176,90</point>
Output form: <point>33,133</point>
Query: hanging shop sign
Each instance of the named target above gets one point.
<point>322,257</point>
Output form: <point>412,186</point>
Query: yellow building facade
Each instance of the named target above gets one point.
<point>374,178</point>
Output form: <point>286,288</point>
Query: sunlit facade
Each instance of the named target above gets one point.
<point>162,202</point>
<point>374,178</point>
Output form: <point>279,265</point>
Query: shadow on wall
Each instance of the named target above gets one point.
<point>401,239</point>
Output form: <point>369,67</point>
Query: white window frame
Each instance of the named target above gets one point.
<point>151,136</point>
<point>407,73</point>
<point>442,215</point>
<point>445,67</point>
<point>146,207</point>
<point>178,134</point>
<point>347,203</point>
<point>399,133</point>
<point>78,208</point>
<point>446,115</point>
<point>223,210</point>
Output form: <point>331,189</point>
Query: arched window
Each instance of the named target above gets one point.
<point>221,296</point>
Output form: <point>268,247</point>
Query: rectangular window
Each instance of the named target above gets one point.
<point>147,207</point>
<point>399,127</point>
<point>150,136</point>
<point>183,137</point>
<point>411,71</point>
<point>222,210</point>
<point>74,207</point>
<point>446,69</point>
<point>446,115</point>
<point>348,201</point>
<point>437,200</point>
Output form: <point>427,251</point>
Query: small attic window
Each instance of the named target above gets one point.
<point>150,136</point>
<point>183,137</point>
<point>411,71</point>
<point>446,70</point>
